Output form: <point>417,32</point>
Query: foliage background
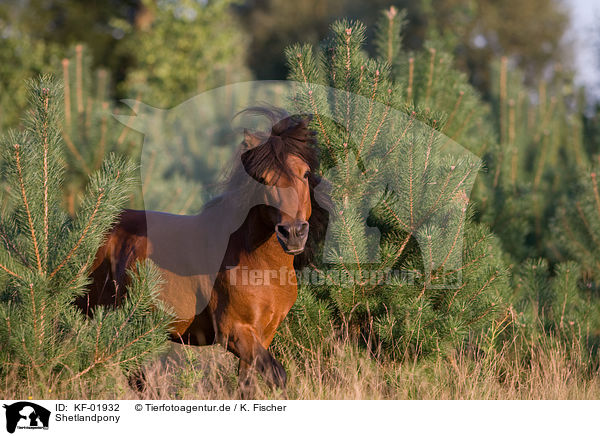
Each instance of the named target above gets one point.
<point>496,77</point>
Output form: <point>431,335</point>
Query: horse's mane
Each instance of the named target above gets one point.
<point>260,152</point>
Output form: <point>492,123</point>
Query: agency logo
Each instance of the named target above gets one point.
<point>379,168</point>
<point>26,415</point>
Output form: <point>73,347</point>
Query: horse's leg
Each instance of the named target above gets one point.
<point>246,380</point>
<point>266,343</point>
<point>244,342</point>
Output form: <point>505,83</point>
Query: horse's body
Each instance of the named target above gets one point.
<point>228,272</point>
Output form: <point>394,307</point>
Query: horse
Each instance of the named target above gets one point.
<point>229,271</point>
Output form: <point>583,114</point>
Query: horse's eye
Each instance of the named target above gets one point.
<point>306,174</point>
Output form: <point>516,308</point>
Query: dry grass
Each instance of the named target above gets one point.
<point>342,370</point>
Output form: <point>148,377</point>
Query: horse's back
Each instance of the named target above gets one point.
<point>166,240</point>
<point>125,244</point>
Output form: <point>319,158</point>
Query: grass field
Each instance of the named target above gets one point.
<point>340,369</point>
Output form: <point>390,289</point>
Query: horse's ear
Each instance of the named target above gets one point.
<point>251,140</point>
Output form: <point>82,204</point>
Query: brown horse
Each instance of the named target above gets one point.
<point>229,271</point>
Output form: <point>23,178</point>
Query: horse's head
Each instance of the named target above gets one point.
<point>291,228</point>
<point>285,160</point>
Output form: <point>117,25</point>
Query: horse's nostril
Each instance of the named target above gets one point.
<point>289,232</point>
<point>283,230</point>
<point>302,228</point>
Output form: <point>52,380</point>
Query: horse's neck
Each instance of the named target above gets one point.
<point>255,243</point>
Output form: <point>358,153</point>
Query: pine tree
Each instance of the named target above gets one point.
<point>577,229</point>
<point>89,130</point>
<point>46,254</point>
<point>530,141</point>
<point>538,160</point>
<point>432,84</point>
<point>370,138</point>
<point>577,224</point>
<point>21,55</point>
<point>533,152</point>
<point>545,303</point>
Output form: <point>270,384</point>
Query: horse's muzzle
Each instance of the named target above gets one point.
<point>292,237</point>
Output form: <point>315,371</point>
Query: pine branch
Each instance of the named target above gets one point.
<point>454,111</point>
<point>82,237</point>
<point>297,59</point>
<point>411,70</point>
<point>74,151</point>
<point>595,188</point>
<point>104,359</point>
<point>12,273</point>
<point>401,137</point>
<point>45,96</point>
<point>27,210</point>
<point>79,78</point>
<point>369,114</point>
<point>430,77</point>
<point>11,245</point>
<point>586,223</point>
<point>67,93</point>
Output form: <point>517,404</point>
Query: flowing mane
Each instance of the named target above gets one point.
<point>261,151</point>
